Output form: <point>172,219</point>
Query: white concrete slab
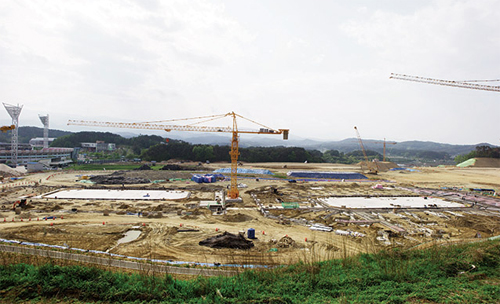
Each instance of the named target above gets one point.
<point>387,202</point>
<point>118,194</point>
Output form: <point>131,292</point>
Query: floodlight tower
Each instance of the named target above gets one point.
<point>45,122</point>
<point>14,112</point>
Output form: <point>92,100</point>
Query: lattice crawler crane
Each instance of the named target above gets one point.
<point>372,166</point>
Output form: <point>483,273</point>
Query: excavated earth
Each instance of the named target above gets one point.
<point>227,240</point>
<point>173,230</point>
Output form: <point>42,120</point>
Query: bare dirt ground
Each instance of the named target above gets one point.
<point>171,230</point>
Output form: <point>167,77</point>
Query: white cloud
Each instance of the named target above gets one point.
<point>316,69</point>
<point>100,55</point>
<point>445,35</point>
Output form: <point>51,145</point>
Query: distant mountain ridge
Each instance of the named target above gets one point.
<point>345,145</point>
<point>27,133</point>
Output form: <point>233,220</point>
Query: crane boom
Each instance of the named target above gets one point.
<point>451,83</point>
<point>147,126</point>
<point>370,169</point>
<point>234,153</point>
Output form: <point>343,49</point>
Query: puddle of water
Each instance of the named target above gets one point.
<point>130,236</point>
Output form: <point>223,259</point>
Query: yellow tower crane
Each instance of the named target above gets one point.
<point>385,143</point>
<point>468,84</point>
<point>194,126</point>
<point>4,129</point>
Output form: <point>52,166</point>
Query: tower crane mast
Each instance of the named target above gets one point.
<point>468,84</point>
<point>195,127</point>
<point>385,143</point>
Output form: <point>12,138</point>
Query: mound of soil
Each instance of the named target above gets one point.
<point>236,218</point>
<point>380,166</point>
<point>7,171</point>
<point>171,167</point>
<point>115,179</point>
<point>286,242</point>
<point>227,240</point>
<point>386,166</point>
<point>483,162</point>
<point>155,215</point>
<point>144,167</point>
<point>479,223</point>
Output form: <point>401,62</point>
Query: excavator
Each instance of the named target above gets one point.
<point>22,204</point>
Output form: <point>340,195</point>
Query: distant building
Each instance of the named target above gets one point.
<point>98,146</point>
<point>57,162</point>
<point>26,156</point>
<point>35,167</point>
<point>37,142</point>
<point>8,146</point>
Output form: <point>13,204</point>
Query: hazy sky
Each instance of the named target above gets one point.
<point>318,68</point>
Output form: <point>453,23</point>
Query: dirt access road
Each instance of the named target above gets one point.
<point>172,230</point>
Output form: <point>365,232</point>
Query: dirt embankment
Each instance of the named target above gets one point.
<point>482,162</point>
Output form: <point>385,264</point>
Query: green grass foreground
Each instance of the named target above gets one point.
<point>468,273</point>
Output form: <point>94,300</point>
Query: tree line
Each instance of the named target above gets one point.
<point>177,149</point>
<point>157,148</point>
<point>153,147</point>
<point>481,151</point>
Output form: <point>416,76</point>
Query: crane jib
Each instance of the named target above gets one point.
<point>234,153</point>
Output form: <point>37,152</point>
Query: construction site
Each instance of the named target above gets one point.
<point>284,220</point>
<point>236,214</point>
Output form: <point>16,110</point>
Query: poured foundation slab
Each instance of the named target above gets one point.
<point>389,202</point>
<point>118,194</point>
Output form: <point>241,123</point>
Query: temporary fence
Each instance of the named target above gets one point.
<point>327,175</point>
<point>115,262</point>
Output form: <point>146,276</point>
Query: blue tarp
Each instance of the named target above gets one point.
<point>405,169</point>
<point>328,175</point>
<point>244,171</point>
<point>207,178</point>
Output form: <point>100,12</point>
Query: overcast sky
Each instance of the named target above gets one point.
<point>318,68</point>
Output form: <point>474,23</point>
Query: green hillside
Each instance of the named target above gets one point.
<point>468,273</point>
<point>27,133</point>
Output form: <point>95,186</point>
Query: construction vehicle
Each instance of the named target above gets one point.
<point>372,167</point>
<point>468,84</point>
<point>4,129</point>
<point>385,143</point>
<point>21,204</point>
<point>194,126</point>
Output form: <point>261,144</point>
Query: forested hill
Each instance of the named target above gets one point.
<point>406,151</point>
<point>347,145</point>
<point>27,133</point>
<point>399,148</point>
